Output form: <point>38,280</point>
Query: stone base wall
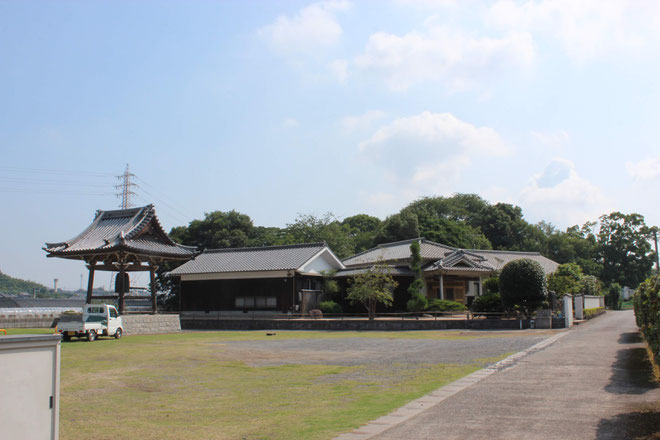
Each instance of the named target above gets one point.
<point>353,324</point>
<point>150,324</point>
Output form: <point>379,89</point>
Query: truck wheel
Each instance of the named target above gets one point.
<point>66,337</point>
<point>118,333</point>
<point>91,335</point>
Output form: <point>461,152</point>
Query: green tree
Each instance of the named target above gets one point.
<point>566,279</point>
<point>308,228</point>
<point>267,236</point>
<point>397,227</point>
<point>362,229</point>
<point>447,220</point>
<point>589,285</point>
<point>372,287</point>
<point>626,253</point>
<point>613,296</point>
<point>503,225</point>
<point>523,286</point>
<point>454,233</point>
<point>417,301</point>
<point>217,230</point>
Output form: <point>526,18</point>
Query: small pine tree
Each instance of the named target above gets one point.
<point>417,301</point>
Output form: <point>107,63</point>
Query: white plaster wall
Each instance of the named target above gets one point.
<point>592,302</point>
<point>322,262</point>
<point>579,307</point>
<point>568,310</point>
<point>473,289</point>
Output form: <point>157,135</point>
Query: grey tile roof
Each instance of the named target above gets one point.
<point>498,259</point>
<point>461,260</point>
<point>442,257</point>
<point>135,230</point>
<point>399,251</point>
<point>393,270</point>
<point>250,259</point>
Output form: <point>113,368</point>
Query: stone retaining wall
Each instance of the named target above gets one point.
<point>354,324</point>
<point>149,324</point>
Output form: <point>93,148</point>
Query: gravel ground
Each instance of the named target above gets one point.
<point>355,351</point>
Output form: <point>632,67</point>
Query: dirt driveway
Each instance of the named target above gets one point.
<point>465,347</point>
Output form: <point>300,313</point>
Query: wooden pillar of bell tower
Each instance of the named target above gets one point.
<point>90,282</point>
<point>122,288</point>
<point>152,277</point>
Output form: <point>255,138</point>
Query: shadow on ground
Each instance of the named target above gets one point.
<point>639,425</point>
<point>631,372</point>
<point>630,338</point>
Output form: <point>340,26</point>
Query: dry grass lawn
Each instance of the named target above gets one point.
<point>200,386</point>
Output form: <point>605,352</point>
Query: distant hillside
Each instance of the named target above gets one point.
<point>14,286</point>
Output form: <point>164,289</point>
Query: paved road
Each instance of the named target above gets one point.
<point>593,383</point>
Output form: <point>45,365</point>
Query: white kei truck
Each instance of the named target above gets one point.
<point>96,320</point>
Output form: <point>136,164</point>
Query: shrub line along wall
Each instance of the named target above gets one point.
<point>393,324</point>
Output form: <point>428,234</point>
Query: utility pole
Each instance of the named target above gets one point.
<point>125,187</point>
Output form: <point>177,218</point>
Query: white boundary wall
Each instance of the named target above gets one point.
<point>568,310</point>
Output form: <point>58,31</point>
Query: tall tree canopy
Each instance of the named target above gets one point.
<point>308,228</point>
<point>615,249</point>
<point>627,256</point>
<point>218,229</point>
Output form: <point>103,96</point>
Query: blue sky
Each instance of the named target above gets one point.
<point>279,108</point>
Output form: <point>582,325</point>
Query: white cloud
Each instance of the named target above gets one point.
<point>646,169</point>
<point>339,69</point>
<point>290,123</point>
<point>430,150</point>
<point>585,28</point>
<point>443,54</point>
<point>364,121</point>
<point>561,196</point>
<point>554,140</point>
<point>312,28</point>
<point>426,4</point>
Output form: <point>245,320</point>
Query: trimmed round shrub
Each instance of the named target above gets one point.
<point>487,304</point>
<point>523,287</point>
<point>492,285</point>
<point>444,305</point>
<point>330,307</point>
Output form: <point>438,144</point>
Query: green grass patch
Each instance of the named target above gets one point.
<point>30,331</point>
<point>188,386</point>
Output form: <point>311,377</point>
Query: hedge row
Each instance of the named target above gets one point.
<point>592,313</point>
<point>646,303</point>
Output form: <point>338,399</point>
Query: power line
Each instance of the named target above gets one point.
<point>52,171</point>
<point>52,191</point>
<point>173,214</point>
<point>172,208</point>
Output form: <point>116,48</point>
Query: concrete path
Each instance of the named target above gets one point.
<point>592,382</point>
